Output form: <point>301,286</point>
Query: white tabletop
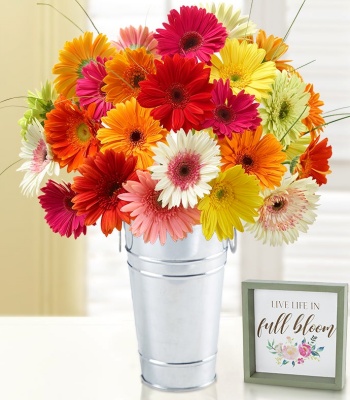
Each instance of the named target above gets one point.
<point>62,358</point>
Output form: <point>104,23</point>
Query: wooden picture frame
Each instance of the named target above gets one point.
<point>269,360</point>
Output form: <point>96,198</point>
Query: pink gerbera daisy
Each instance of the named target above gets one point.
<point>192,32</point>
<point>133,38</point>
<point>150,218</point>
<point>232,113</point>
<point>89,88</point>
<point>57,203</point>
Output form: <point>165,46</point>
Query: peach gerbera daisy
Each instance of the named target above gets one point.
<point>74,56</point>
<point>259,155</point>
<point>71,132</point>
<point>124,73</point>
<point>132,130</point>
<point>150,219</point>
<point>133,38</point>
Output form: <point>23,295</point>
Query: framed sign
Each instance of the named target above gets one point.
<point>294,333</point>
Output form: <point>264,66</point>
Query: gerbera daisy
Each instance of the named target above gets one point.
<point>98,188</point>
<point>57,203</point>
<point>124,73</point>
<point>132,130</point>
<point>314,161</point>
<point>179,93</point>
<point>285,108</point>
<point>314,121</point>
<point>192,32</point>
<point>39,103</point>
<point>286,211</point>
<point>74,56</point>
<point>259,156</point>
<point>244,65</point>
<point>150,218</point>
<point>234,196</point>
<point>133,38</point>
<point>298,147</point>
<point>89,88</point>
<point>184,167</point>
<point>38,159</point>
<point>232,113</point>
<point>237,25</point>
<point>274,47</point>
<point>71,132</point>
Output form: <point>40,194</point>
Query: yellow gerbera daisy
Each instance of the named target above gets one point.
<point>234,196</point>
<point>243,64</point>
<point>125,71</point>
<point>132,130</point>
<point>74,56</point>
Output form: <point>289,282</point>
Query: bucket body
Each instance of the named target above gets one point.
<point>177,291</point>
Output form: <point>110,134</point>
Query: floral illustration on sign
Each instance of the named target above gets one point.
<point>293,352</point>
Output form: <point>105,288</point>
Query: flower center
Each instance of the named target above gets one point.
<point>134,75</point>
<point>224,114</point>
<point>184,170</point>
<point>40,159</point>
<point>220,194</point>
<point>284,110</point>
<point>82,65</point>
<point>135,136</point>
<point>239,78</point>
<point>68,204</point>
<point>178,96</point>
<point>278,205</point>
<point>83,132</point>
<point>191,41</point>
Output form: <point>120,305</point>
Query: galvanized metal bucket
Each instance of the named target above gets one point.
<point>177,291</point>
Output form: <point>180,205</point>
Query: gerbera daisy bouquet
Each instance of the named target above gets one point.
<point>202,121</point>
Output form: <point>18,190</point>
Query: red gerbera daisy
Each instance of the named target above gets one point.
<point>232,113</point>
<point>99,187</point>
<point>179,93</point>
<point>57,203</point>
<point>314,161</point>
<point>71,132</point>
<point>89,88</point>
<point>192,32</point>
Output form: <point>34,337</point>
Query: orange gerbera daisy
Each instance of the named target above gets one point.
<point>314,161</point>
<point>132,130</point>
<point>314,120</point>
<point>274,47</point>
<point>74,56</point>
<point>125,71</point>
<point>71,132</point>
<point>259,156</point>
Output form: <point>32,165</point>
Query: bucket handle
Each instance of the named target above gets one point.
<point>233,243</point>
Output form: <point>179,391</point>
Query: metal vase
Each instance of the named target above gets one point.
<point>177,292</point>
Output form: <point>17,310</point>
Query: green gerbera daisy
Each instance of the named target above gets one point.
<point>285,108</point>
<point>39,103</point>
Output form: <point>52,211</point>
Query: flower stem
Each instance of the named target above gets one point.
<point>63,15</point>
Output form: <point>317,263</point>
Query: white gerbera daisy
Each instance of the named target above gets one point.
<point>286,211</point>
<point>39,160</point>
<point>238,26</point>
<point>185,165</point>
<point>285,108</point>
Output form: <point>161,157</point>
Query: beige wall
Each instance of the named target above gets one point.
<point>40,273</point>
